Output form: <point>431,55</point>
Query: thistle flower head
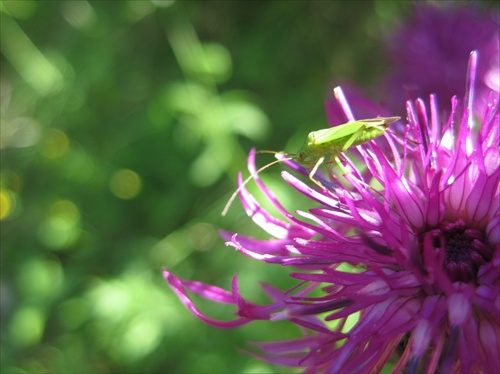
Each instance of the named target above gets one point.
<point>429,53</point>
<point>423,248</point>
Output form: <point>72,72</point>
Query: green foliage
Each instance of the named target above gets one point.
<point>123,126</point>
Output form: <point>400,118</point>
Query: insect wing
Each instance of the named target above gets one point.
<point>332,134</point>
<point>380,121</point>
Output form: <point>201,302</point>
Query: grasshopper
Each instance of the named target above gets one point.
<point>322,144</point>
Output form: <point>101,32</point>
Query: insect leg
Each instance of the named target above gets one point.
<point>339,163</point>
<point>347,145</point>
<point>314,170</point>
<point>353,138</point>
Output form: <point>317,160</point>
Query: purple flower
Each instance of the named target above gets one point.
<point>414,262</point>
<point>429,53</point>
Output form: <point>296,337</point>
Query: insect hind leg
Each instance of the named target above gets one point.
<point>353,138</point>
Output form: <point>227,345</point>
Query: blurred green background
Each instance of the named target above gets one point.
<point>123,127</point>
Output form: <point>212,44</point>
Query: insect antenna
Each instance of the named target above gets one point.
<point>250,177</point>
<point>276,153</point>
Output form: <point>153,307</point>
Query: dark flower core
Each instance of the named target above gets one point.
<point>464,249</point>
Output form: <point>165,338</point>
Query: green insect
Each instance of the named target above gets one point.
<point>322,144</point>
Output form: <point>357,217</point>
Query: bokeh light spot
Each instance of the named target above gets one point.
<point>125,184</point>
<point>202,236</point>
<point>7,203</point>
<point>61,228</point>
<point>205,170</point>
<point>19,132</point>
<point>110,301</point>
<point>78,14</point>
<point>162,3</point>
<point>28,60</point>
<point>137,10</point>
<point>54,144</point>
<point>40,279</point>
<point>142,335</point>
<point>26,327</point>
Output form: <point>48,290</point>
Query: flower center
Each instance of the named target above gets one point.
<point>465,250</point>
